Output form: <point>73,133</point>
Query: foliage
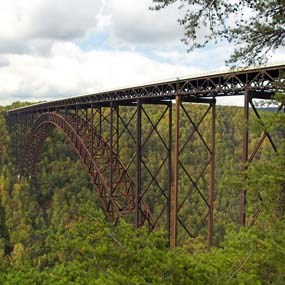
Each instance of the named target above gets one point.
<point>255,27</point>
<point>51,231</point>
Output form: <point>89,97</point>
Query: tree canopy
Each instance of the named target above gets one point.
<point>52,232</point>
<point>255,27</point>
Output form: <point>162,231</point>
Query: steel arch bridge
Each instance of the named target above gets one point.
<point>96,129</point>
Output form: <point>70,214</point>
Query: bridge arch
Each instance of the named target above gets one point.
<point>115,202</point>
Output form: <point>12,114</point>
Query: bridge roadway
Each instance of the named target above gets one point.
<point>83,119</point>
<point>229,83</point>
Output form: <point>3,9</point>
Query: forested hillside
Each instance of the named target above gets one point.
<point>53,231</point>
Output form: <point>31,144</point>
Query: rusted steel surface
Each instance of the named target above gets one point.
<point>244,155</point>
<point>176,174</point>
<point>126,183</point>
<point>223,84</point>
<point>249,156</point>
<point>212,176</point>
<point>117,198</point>
<point>138,217</point>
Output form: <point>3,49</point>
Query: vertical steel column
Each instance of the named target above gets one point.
<point>176,170</point>
<point>32,118</point>
<point>29,121</point>
<point>117,130</point>
<point>282,194</point>
<point>76,116</point>
<point>100,121</point>
<point>111,148</point>
<point>212,175</point>
<point>21,136</point>
<point>92,130</point>
<point>169,171</point>
<point>17,140</point>
<point>25,127</point>
<point>86,114</point>
<point>244,156</point>
<point>138,164</point>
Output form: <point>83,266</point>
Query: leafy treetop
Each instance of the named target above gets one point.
<point>255,27</point>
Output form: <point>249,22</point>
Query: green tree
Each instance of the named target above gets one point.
<point>267,174</point>
<point>52,233</point>
<point>255,27</point>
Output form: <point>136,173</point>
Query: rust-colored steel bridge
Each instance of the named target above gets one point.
<point>127,184</point>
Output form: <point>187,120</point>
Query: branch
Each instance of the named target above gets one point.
<point>240,267</point>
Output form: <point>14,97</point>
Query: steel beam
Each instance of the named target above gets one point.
<point>76,116</point>
<point>242,216</point>
<point>117,130</point>
<point>138,164</point>
<point>176,173</point>
<point>169,186</point>
<point>100,121</point>
<point>212,176</point>
<point>229,83</point>
<point>92,131</point>
<point>113,172</point>
<point>249,157</point>
<point>111,154</point>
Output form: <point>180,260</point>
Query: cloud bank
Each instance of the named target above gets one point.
<point>51,49</point>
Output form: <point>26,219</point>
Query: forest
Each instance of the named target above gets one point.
<point>53,231</point>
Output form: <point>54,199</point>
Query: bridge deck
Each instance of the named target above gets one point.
<point>229,83</point>
<point>129,185</point>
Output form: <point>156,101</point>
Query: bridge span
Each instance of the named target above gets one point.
<point>96,129</point>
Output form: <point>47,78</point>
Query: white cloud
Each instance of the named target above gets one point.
<point>134,24</point>
<point>278,55</point>
<point>39,59</point>
<point>206,58</point>
<point>26,25</point>
<point>4,61</point>
<point>70,71</point>
<point>63,19</point>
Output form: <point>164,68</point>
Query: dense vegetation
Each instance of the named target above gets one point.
<point>53,232</point>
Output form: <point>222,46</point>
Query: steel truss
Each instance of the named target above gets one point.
<point>222,84</point>
<point>247,156</point>
<point>115,133</point>
<point>129,128</point>
<point>180,169</point>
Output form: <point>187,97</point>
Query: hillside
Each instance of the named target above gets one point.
<point>53,231</point>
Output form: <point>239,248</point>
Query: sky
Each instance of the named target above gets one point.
<point>52,49</point>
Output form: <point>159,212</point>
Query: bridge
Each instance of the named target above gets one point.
<point>96,129</point>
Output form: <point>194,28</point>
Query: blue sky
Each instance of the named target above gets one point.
<point>50,49</point>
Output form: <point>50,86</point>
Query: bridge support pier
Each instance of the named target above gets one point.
<point>169,185</point>
<point>181,197</point>
<point>138,217</point>
<point>137,186</point>
<point>248,156</point>
<point>176,174</point>
<point>212,176</point>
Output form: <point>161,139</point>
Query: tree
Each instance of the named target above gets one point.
<point>255,27</point>
<point>269,184</point>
